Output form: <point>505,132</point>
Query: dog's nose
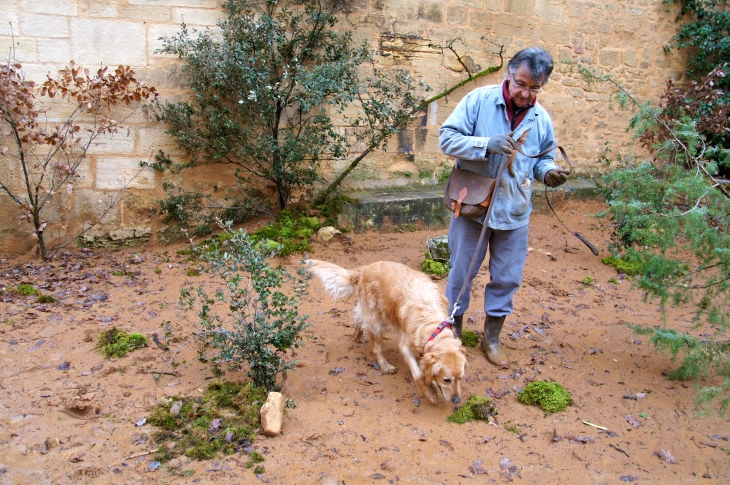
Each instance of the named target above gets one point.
<point>456,399</point>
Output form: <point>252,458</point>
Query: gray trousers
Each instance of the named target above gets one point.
<point>507,255</point>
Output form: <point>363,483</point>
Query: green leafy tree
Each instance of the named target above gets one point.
<point>671,218</point>
<point>267,87</point>
<point>250,319</point>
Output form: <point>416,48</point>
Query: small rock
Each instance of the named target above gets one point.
<point>272,414</point>
<point>327,233</point>
<point>175,408</point>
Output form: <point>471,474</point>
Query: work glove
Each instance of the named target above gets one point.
<point>556,177</point>
<point>501,144</point>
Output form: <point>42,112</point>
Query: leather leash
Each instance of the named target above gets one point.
<point>580,236</point>
<point>506,161</point>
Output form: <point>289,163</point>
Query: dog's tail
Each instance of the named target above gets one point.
<point>337,281</point>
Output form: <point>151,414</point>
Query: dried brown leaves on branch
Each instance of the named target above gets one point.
<point>44,154</point>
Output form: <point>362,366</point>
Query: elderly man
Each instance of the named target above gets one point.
<point>483,128</point>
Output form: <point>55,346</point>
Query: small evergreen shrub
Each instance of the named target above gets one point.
<point>550,396</point>
<point>252,321</point>
<point>475,408</point>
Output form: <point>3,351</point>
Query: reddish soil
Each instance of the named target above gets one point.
<point>75,423</point>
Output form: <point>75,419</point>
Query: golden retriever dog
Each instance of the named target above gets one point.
<point>391,295</point>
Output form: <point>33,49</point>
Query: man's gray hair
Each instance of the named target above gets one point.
<point>536,59</point>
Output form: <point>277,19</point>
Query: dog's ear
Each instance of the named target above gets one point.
<point>428,376</point>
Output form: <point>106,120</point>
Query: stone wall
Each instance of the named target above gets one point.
<point>622,38</point>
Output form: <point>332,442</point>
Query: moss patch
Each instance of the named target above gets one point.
<point>623,266</point>
<point>291,233</point>
<point>429,266</point>
<point>117,343</point>
<point>469,338</point>
<point>223,420</point>
<point>26,290</point>
<point>45,299</point>
<point>550,396</point>
<point>475,408</point>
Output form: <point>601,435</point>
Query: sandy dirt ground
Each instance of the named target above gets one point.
<point>67,414</point>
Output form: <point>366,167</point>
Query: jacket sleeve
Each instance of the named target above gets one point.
<point>546,162</point>
<point>456,134</point>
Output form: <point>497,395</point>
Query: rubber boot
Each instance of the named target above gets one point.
<point>490,342</point>
<point>458,321</point>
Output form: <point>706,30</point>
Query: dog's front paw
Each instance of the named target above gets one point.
<point>388,369</point>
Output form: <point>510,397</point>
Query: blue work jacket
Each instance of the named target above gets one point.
<point>464,135</point>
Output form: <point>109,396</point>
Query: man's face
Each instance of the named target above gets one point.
<point>522,88</point>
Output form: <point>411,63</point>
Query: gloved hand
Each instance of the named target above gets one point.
<point>501,144</point>
<point>556,177</point>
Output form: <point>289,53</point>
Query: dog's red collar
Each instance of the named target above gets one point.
<point>440,328</point>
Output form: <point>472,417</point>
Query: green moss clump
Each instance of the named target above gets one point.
<point>475,408</point>
<point>117,343</point>
<point>290,233</point>
<point>26,290</point>
<point>45,299</point>
<point>430,266</point>
<point>623,266</point>
<point>254,458</point>
<point>469,338</point>
<point>219,422</point>
<point>550,396</point>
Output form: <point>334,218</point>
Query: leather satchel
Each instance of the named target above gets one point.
<point>468,193</point>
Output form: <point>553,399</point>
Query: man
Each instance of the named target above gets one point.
<point>483,128</point>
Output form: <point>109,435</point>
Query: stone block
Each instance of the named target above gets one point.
<point>152,138</point>
<point>8,16</point>
<point>512,27</point>
<point>55,51</point>
<point>117,173</point>
<point>24,48</point>
<point>609,57</point>
<point>175,3</point>
<point>550,11</point>
<point>477,4</point>
<point>148,14</point>
<point>120,143</point>
<point>482,21</point>
<point>43,25</point>
<point>50,7</point>
<point>554,34</point>
<point>557,103</point>
<point>108,42</point>
<point>272,414</point>
<point>429,10</point>
<point>100,8</point>
<point>197,16</point>
<point>525,8</point>
<point>457,16</point>
<point>39,72</point>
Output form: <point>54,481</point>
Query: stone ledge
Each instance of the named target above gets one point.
<point>384,209</point>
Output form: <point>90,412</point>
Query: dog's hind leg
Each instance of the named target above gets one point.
<point>359,327</point>
<point>375,329</point>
